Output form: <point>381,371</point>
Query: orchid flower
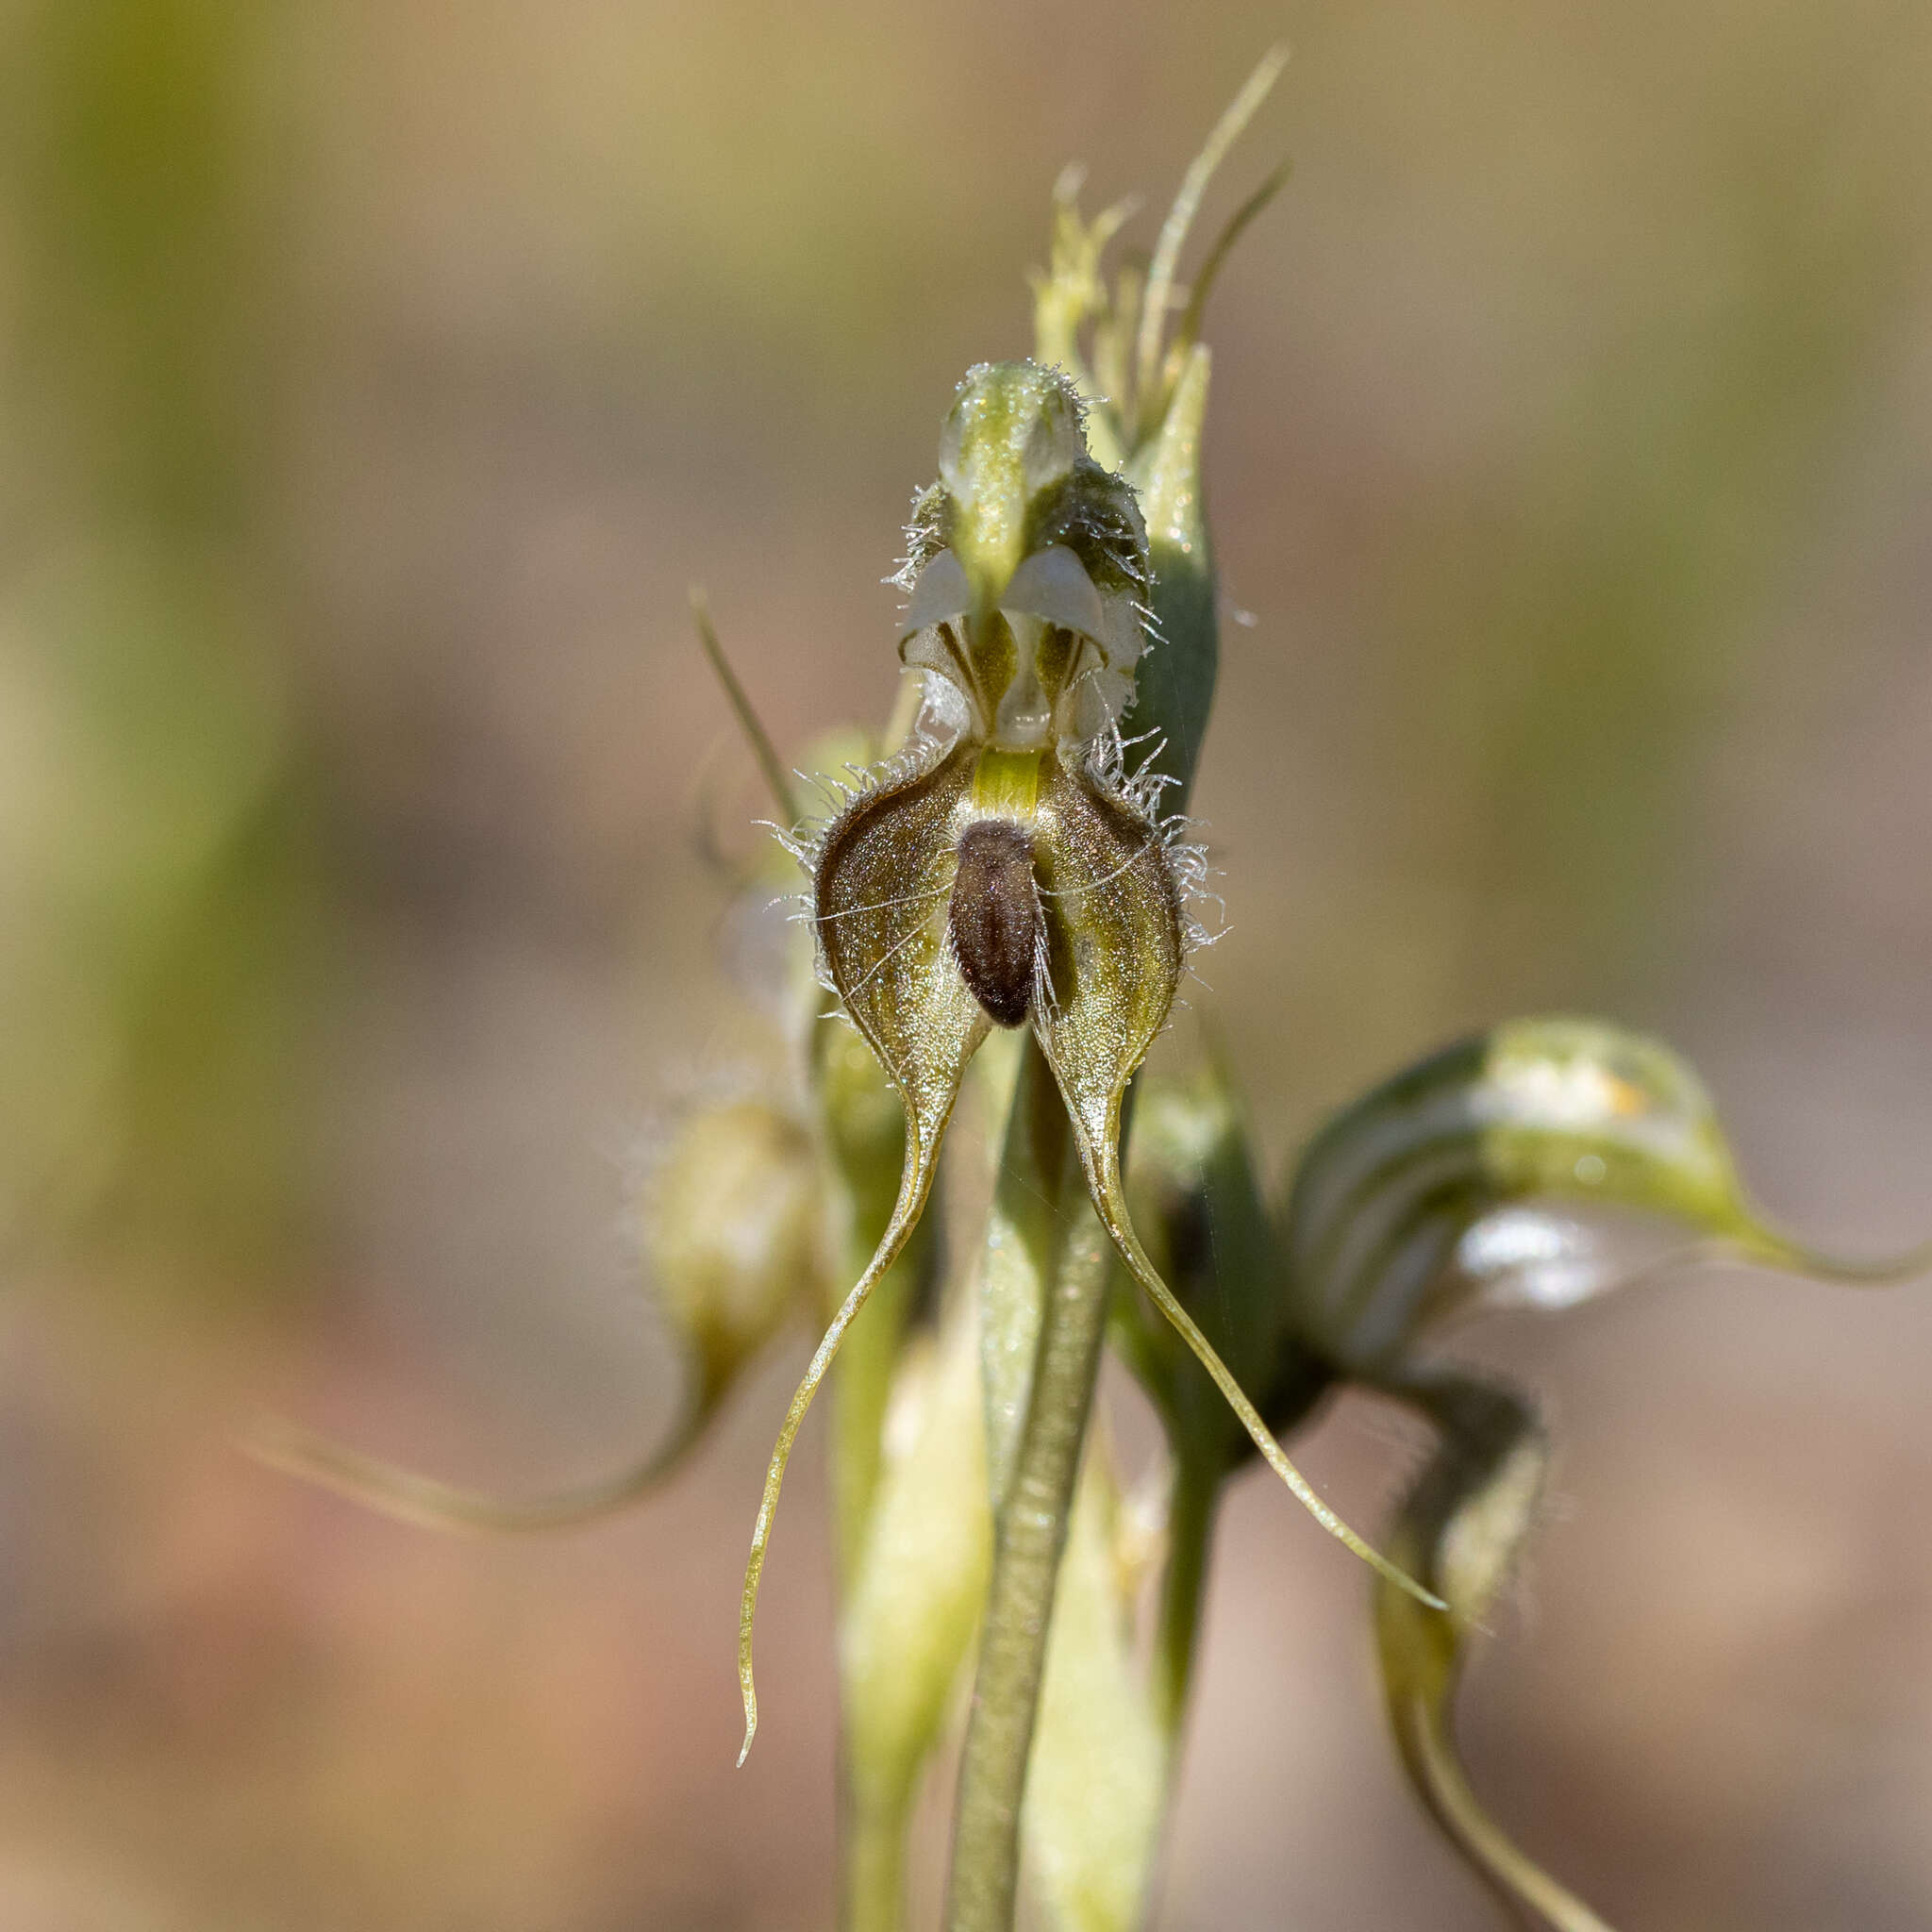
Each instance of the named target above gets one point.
<point>1006,897</point>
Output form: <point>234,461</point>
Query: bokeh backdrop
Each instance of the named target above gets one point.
<point>374,376</point>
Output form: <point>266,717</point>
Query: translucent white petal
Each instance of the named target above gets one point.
<point>1052,583</point>
<point>942,592</point>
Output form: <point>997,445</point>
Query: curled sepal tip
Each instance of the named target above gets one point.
<point>913,1192</point>
<point>1460,1530</point>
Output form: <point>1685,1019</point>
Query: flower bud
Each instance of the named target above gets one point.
<point>735,1235</point>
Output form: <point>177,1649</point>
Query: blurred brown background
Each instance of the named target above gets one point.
<point>374,377</point>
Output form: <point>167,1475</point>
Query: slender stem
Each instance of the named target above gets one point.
<point>1031,1532</point>
<point>1024,1234</point>
<point>872,1866</point>
<point>1183,1592</point>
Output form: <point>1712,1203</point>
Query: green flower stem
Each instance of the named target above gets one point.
<point>1202,1469</point>
<point>871,1836</point>
<point>1030,1535</point>
<point>872,1863</point>
<point>1183,1593</point>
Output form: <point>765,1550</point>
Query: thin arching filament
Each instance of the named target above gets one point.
<point>914,1185</point>
<point>1110,1201</point>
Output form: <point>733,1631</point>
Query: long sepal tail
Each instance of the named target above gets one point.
<point>1769,1248</point>
<point>405,1497</point>
<point>1188,332</point>
<point>915,1184</point>
<point>1102,1163</point>
<point>1421,1730</point>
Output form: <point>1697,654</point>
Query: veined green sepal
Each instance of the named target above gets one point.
<point>879,873</point>
<point>1488,1173</point>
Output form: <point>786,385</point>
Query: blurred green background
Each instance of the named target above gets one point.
<point>373,379</point>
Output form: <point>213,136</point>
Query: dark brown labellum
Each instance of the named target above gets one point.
<point>994,918</point>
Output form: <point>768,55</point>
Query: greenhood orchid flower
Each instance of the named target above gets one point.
<point>1006,897</point>
<point>1007,869</point>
